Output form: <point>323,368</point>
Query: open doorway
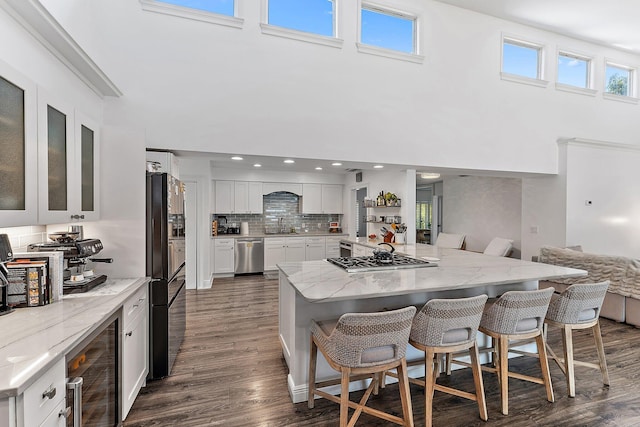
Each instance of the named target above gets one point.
<point>361,225</point>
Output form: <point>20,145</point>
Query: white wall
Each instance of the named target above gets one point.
<point>123,195</point>
<point>609,177</point>
<point>204,87</point>
<point>483,208</point>
<point>21,51</point>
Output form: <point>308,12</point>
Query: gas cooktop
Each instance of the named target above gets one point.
<point>369,263</point>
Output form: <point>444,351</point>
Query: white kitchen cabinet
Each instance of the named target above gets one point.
<point>19,160</point>
<point>247,197</point>
<point>255,198</point>
<point>315,248</point>
<point>41,401</point>
<point>321,198</point>
<point>241,197</point>
<point>332,198</point>
<point>224,196</point>
<point>68,163</point>
<point>238,197</point>
<point>274,252</point>
<point>312,198</point>
<point>332,247</point>
<point>135,347</point>
<point>295,249</point>
<point>283,249</point>
<point>223,256</point>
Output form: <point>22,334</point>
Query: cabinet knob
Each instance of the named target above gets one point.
<point>77,216</point>
<point>129,333</point>
<point>50,393</point>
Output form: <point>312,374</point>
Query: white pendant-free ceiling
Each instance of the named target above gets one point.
<point>611,23</point>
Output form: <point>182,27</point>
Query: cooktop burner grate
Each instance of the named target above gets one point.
<point>369,263</point>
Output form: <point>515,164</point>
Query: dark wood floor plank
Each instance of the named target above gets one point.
<point>230,372</point>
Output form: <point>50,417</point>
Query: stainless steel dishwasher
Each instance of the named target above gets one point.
<point>249,255</point>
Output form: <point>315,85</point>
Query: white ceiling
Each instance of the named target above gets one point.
<point>613,23</point>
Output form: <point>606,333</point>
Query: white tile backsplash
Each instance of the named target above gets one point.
<point>20,237</point>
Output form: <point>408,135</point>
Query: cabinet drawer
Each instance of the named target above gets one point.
<point>223,243</point>
<point>56,417</point>
<point>135,305</point>
<point>43,396</point>
<point>315,240</point>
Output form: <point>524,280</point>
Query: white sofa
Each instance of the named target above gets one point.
<point>622,302</point>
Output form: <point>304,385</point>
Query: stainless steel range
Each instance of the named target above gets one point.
<point>370,263</point>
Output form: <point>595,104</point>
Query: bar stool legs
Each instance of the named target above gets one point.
<point>567,364</point>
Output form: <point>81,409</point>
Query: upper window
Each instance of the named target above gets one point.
<point>574,70</point>
<point>387,29</point>
<point>522,58</point>
<point>619,80</point>
<point>223,7</point>
<point>311,16</point>
<point>221,12</point>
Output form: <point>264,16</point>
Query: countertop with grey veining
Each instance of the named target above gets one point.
<point>301,234</point>
<point>320,281</point>
<point>34,339</point>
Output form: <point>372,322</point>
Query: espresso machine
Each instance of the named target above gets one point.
<point>76,252</point>
<point>6,254</point>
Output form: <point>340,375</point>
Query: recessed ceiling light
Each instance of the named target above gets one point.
<point>429,175</point>
<point>289,161</point>
<point>236,158</point>
<point>378,166</point>
<point>257,165</point>
<point>318,168</point>
<point>336,164</point>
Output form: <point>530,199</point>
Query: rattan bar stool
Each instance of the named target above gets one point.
<point>444,326</point>
<point>578,307</point>
<point>517,315</point>
<point>363,344</point>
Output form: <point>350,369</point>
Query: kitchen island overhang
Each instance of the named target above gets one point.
<point>319,290</point>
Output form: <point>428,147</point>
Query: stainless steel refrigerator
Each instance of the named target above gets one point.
<point>166,267</point>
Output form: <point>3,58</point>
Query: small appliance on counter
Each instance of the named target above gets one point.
<point>6,254</point>
<point>244,228</point>
<point>334,227</point>
<point>77,278</point>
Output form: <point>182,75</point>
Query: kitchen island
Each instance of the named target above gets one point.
<point>319,290</point>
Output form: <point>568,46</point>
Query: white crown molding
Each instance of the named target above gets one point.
<point>33,16</point>
<point>584,142</point>
<point>194,14</point>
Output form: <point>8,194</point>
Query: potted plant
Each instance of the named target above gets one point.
<point>390,199</point>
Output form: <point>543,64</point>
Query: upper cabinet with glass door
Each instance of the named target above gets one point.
<point>68,168</point>
<point>18,149</point>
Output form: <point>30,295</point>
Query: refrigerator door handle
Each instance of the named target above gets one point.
<point>76,385</point>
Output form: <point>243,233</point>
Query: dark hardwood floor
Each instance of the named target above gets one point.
<point>230,372</point>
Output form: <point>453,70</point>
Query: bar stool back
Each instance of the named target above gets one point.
<point>517,315</point>
<point>444,326</point>
<point>363,343</point>
<point>578,307</point>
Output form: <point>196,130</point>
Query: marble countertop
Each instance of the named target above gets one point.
<point>320,281</point>
<point>34,339</point>
<point>302,234</point>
